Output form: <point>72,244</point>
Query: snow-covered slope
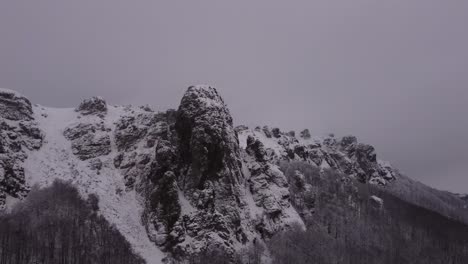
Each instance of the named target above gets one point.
<point>56,160</point>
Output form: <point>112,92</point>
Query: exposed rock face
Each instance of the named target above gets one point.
<point>147,158</point>
<point>18,135</point>
<point>144,128</point>
<point>145,148</point>
<point>190,169</point>
<point>269,188</point>
<point>94,105</point>
<point>346,155</point>
<point>14,106</point>
<point>210,169</point>
<point>165,210</point>
<point>89,140</point>
<point>208,145</point>
<point>256,149</point>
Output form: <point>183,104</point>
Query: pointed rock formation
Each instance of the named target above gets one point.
<point>209,148</point>
<point>210,168</point>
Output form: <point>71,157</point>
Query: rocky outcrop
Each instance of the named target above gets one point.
<point>18,135</point>
<point>256,149</point>
<point>89,140</point>
<point>269,188</point>
<point>347,156</point>
<point>208,146</point>
<point>189,167</point>
<point>147,158</point>
<point>93,106</point>
<point>165,211</point>
<point>144,128</point>
<point>145,148</point>
<point>14,106</point>
<point>210,167</point>
<point>305,134</point>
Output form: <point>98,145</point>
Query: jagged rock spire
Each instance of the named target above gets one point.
<point>208,144</point>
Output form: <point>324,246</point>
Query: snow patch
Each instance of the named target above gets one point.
<point>377,200</point>
<point>185,205</point>
<point>55,160</point>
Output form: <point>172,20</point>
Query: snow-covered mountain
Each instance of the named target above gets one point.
<point>173,182</point>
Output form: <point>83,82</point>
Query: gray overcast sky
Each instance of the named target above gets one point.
<point>394,73</point>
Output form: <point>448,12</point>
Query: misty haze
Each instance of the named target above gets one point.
<point>266,132</point>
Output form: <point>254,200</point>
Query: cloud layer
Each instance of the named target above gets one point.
<point>393,73</point>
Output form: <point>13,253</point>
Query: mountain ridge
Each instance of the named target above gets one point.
<point>177,182</point>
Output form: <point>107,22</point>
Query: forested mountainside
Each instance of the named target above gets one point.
<point>351,222</point>
<point>56,225</point>
<point>187,186</point>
